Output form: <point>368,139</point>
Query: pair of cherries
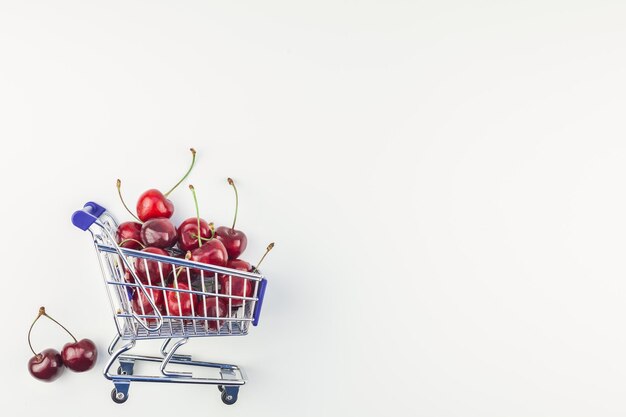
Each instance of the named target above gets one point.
<point>48,365</point>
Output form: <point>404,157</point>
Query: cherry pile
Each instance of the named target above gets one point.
<point>195,239</point>
<point>48,365</point>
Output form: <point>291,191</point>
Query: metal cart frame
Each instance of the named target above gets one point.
<point>138,317</point>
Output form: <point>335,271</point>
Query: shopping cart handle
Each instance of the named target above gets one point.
<point>83,219</point>
<point>259,304</point>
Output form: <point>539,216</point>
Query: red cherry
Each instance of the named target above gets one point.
<point>129,234</point>
<point>236,286</point>
<point>46,366</point>
<point>235,241</point>
<point>141,303</point>
<point>80,356</point>
<point>180,303</point>
<point>212,252</point>
<point>152,275</point>
<point>159,233</point>
<point>188,232</point>
<point>153,204</point>
<point>212,307</point>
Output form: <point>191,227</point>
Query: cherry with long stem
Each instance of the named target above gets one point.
<point>269,248</point>
<point>119,192</point>
<point>154,204</point>
<point>235,241</point>
<point>193,162</point>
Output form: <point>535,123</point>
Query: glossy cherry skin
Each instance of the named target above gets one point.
<point>240,287</point>
<point>187,229</point>
<point>46,366</point>
<point>235,241</point>
<point>153,204</point>
<point>80,356</point>
<point>141,303</point>
<point>212,307</point>
<point>212,252</point>
<point>152,272</point>
<point>187,301</point>
<point>159,233</point>
<point>129,230</point>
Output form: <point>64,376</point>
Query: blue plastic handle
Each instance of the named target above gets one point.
<point>83,219</point>
<point>259,304</point>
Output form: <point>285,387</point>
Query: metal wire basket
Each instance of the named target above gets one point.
<point>167,297</point>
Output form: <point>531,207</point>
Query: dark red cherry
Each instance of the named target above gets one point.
<point>188,232</point>
<point>212,252</point>
<point>235,241</point>
<point>236,286</point>
<point>180,303</point>
<point>212,307</point>
<point>159,233</point>
<point>148,271</point>
<point>46,366</point>
<point>130,234</point>
<point>141,303</point>
<point>80,356</point>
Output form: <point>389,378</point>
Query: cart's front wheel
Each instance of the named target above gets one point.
<point>118,397</point>
<point>228,399</point>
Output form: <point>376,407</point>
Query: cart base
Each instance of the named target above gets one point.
<point>231,376</point>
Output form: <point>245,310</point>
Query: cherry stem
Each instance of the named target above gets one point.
<point>193,161</point>
<point>131,240</point>
<point>119,192</point>
<point>178,270</point>
<point>31,329</point>
<point>211,228</point>
<point>206,239</point>
<point>231,182</point>
<point>42,312</point>
<point>269,248</point>
<point>195,202</point>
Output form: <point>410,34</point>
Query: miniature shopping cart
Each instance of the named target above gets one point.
<point>137,315</point>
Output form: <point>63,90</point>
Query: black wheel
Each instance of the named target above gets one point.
<point>118,397</point>
<point>221,388</point>
<point>228,399</point>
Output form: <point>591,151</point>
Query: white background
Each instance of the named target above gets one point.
<point>444,182</point>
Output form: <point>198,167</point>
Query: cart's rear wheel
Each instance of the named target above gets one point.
<point>228,399</point>
<point>118,397</point>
